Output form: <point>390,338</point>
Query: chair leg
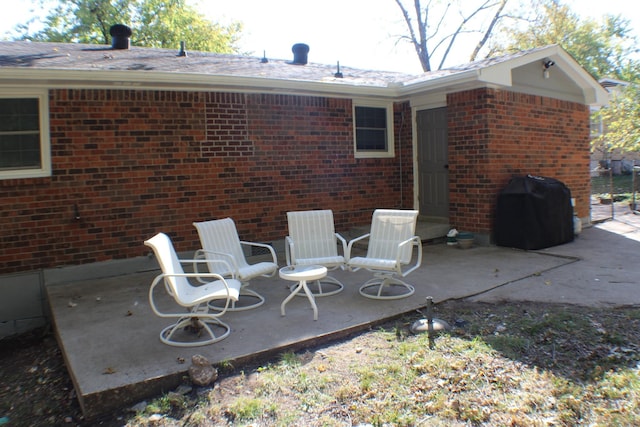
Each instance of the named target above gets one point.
<point>205,327</point>
<point>384,281</point>
<point>317,289</point>
<point>242,303</point>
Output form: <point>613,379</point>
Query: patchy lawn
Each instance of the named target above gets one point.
<point>508,364</point>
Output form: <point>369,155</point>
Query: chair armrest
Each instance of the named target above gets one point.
<point>264,246</point>
<point>214,276</point>
<point>160,279</point>
<point>227,258</point>
<point>200,258</point>
<point>414,241</point>
<point>347,255</point>
<point>343,241</point>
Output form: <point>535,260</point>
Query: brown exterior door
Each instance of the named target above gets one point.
<point>432,162</point>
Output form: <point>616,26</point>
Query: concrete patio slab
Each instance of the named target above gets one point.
<point>607,272</point>
<point>109,336</point>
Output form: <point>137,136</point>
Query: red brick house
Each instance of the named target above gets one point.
<point>101,148</point>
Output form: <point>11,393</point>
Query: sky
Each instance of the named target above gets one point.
<point>357,33</point>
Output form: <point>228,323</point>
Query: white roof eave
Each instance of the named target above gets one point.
<point>459,80</point>
<point>593,92</point>
<point>495,75</point>
<point>57,78</point>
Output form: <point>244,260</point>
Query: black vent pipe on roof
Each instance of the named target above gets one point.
<point>300,52</point>
<point>120,34</point>
<point>183,50</point>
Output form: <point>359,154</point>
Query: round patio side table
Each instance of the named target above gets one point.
<point>302,274</point>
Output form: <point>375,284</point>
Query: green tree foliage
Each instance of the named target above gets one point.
<point>155,23</point>
<point>620,124</point>
<point>604,49</point>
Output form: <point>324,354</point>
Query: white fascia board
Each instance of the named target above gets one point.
<point>594,93</point>
<point>463,79</point>
<point>500,75</point>
<point>70,79</point>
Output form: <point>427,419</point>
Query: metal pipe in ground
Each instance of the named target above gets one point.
<point>430,322</point>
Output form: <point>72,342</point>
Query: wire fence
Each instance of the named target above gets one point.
<point>609,191</point>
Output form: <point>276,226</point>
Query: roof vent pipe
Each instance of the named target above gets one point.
<point>300,51</point>
<point>183,51</point>
<point>120,34</point>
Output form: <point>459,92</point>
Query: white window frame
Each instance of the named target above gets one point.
<point>390,150</point>
<point>45,139</point>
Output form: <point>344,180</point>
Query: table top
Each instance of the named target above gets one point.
<point>303,272</point>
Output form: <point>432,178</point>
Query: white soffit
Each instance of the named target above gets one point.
<point>568,79</point>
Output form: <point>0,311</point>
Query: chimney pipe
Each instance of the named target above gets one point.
<point>300,51</point>
<point>120,34</point>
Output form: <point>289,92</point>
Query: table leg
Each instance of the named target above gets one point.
<point>289,297</point>
<point>301,285</point>
<point>312,299</point>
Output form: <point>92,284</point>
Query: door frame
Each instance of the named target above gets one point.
<point>426,103</point>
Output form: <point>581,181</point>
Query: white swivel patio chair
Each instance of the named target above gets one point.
<point>390,254</point>
<point>197,321</point>
<point>220,241</point>
<point>312,240</point>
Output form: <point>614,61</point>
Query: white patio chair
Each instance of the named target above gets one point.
<point>198,319</point>
<point>312,240</point>
<point>220,241</point>
<point>389,251</point>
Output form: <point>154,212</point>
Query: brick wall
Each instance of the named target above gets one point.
<point>131,163</point>
<point>495,135</point>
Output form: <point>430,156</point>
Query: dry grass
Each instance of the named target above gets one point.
<point>502,365</point>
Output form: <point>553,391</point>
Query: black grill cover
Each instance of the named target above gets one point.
<point>534,212</point>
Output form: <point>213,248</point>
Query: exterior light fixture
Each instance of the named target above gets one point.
<point>546,64</point>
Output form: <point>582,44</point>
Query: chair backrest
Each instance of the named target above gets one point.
<point>169,264</point>
<point>221,235</point>
<point>313,234</point>
<point>389,227</point>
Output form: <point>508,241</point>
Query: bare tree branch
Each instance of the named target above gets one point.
<point>464,22</point>
<point>487,33</point>
<point>421,33</point>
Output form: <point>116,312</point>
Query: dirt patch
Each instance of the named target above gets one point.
<point>35,388</point>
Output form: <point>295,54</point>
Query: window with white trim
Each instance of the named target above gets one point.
<point>24,134</point>
<point>373,129</point>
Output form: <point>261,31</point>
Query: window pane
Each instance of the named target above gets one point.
<point>370,117</point>
<point>19,133</point>
<point>19,151</point>
<point>371,139</point>
<point>371,129</point>
<point>19,114</point>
